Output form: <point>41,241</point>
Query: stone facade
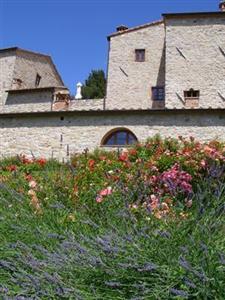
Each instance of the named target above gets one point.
<point>29,64</point>
<point>130,82</point>
<point>186,51</point>
<point>195,58</point>
<point>32,100</point>
<point>184,54</point>
<point>7,63</point>
<point>59,134</point>
<point>19,69</point>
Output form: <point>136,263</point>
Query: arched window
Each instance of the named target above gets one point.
<point>119,137</point>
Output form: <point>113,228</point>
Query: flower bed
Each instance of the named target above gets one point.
<point>147,222</point>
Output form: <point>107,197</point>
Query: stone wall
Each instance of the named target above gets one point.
<point>130,82</point>
<point>28,101</point>
<point>7,63</point>
<point>60,133</point>
<point>89,104</point>
<point>24,65</point>
<point>31,101</point>
<point>195,58</point>
<point>28,65</point>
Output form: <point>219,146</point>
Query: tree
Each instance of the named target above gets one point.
<point>95,85</point>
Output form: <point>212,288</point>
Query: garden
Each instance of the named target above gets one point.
<point>146,222</point>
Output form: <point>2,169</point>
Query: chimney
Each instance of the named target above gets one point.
<point>78,95</point>
<point>121,28</point>
<point>222,5</point>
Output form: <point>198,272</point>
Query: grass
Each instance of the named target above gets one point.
<point>77,248</point>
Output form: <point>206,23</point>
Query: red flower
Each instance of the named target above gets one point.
<point>26,160</point>
<point>132,151</point>
<point>11,168</point>
<point>91,164</point>
<point>29,177</point>
<point>123,156</point>
<point>41,161</point>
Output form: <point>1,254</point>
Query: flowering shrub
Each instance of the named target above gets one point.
<point>145,223</point>
<point>158,176</point>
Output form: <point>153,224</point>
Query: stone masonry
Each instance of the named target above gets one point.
<point>195,58</point>
<point>129,82</point>
<point>18,71</point>
<point>184,54</point>
<point>60,134</point>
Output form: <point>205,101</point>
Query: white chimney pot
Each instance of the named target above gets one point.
<point>78,93</point>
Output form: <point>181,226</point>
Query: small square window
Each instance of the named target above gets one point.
<point>38,79</point>
<point>140,55</point>
<point>191,94</point>
<point>158,93</point>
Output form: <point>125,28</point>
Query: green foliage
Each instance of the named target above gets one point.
<point>95,85</point>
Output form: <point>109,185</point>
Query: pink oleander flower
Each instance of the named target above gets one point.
<point>175,180</point>
<point>154,202</point>
<point>99,199</point>
<point>32,184</point>
<point>103,193</point>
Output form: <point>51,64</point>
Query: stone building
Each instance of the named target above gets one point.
<point>165,77</point>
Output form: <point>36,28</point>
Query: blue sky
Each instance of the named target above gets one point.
<point>74,32</point>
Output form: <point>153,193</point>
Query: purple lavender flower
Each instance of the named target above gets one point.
<point>178,292</point>
<point>222,258</point>
<point>113,284</point>
<point>148,267</point>
<point>189,283</point>
<point>185,264</point>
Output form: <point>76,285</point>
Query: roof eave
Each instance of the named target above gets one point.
<point>114,111</point>
<point>186,14</point>
<point>47,88</point>
<point>134,29</point>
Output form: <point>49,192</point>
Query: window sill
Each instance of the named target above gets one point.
<point>159,104</point>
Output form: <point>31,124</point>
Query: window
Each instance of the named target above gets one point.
<point>38,79</point>
<point>191,94</point>
<point>119,137</point>
<point>158,93</point>
<point>140,55</point>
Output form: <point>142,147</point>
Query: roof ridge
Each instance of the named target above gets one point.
<point>23,50</point>
<point>136,28</point>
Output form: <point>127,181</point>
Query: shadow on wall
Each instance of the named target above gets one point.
<point>197,21</point>
<point>161,78</point>
<point>32,98</point>
<point>198,118</point>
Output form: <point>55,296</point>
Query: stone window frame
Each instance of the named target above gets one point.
<point>191,94</point>
<point>130,137</point>
<point>140,55</point>
<point>191,98</point>
<point>158,96</point>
